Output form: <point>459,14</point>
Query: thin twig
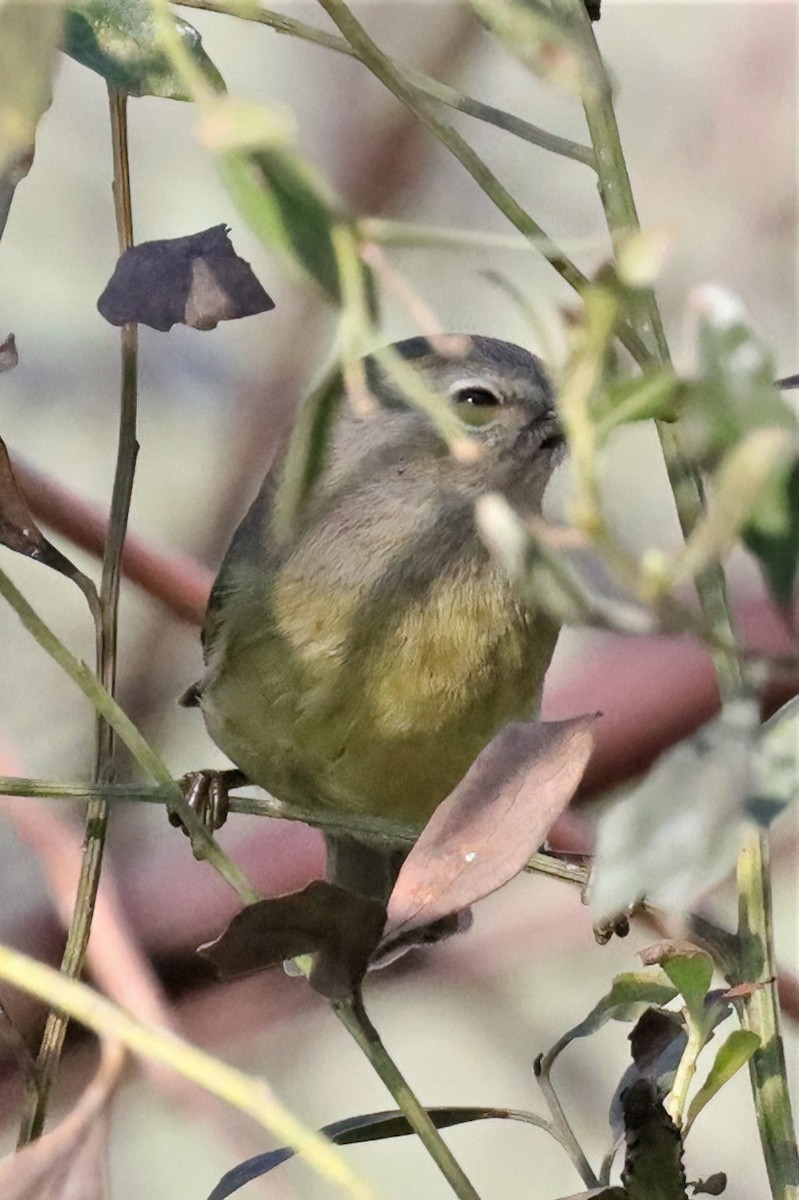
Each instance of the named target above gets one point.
<point>355,1020</point>
<point>142,752</point>
<point>97,808</point>
<point>249,1094</point>
<point>761,1013</point>
<point>543,1066</point>
<point>449,96</point>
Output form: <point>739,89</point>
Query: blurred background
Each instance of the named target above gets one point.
<point>706,98</point>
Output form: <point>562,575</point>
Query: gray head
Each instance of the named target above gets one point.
<point>502,394</point>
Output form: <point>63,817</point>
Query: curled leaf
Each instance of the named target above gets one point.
<point>196,280</point>
<point>498,815</point>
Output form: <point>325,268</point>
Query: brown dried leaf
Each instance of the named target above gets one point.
<point>69,1162</point>
<point>498,815</point>
<point>669,948</point>
<point>342,929</point>
<point>714,1185</point>
<point>196,280</point>
<point>742,990</point>
<point>654,1035</point>
<point>8,354</point>
<point>18,529</point>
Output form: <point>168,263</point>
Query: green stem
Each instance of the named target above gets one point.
<point>391,77</point>
<point>97,808</point>
<point>676,1100</point>
<point>145,756</point>
<point>433,88</point>
<point>355,1020</point>
<point>560,1122</point>
<point>760,1013</point>
<point>618,201</point>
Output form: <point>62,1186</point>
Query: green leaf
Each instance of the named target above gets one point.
<point>733,392</point>
<point>630,995</point>
<point>307,449</point>
<point>284,199</point>
<point>660,841</point>
<point>772,533</point>
<point>740,486</point>
<point>118,40</point>
<point>653,396</point>
<point>691,975</point>
<point>732,1055</point>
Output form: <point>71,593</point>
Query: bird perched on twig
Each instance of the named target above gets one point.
<point>359,663</point>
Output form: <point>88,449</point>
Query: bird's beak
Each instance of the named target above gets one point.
<point>550,431</point>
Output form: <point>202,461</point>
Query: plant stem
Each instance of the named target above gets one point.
<point>247,11</point>
<point>355,1020</point>
<point>145,756</point>
<point>676,1100</point>
<point>560,1122</point>
<point>760,1013</point>
<point>97,807</point>
<point>249,1094</point>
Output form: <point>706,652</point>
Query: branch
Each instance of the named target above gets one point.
<point>423,84</point>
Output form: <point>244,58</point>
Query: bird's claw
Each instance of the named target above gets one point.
<point>207,792</point>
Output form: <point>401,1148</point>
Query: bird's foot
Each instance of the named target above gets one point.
<point>208,793</point>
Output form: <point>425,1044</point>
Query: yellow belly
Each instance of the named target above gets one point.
<point>378,712</point>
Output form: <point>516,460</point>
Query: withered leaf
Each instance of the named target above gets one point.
<point>8,354</point>
<point>653,1167</point>
<point>670,948</point>
<point>657,1033</point>
<point>657,1043</point>
<point>19,531</point>
<point>69,1161</point>
<point>196,280</point>
<point>342,929</point>
<point>714,1185</point>
<point>498,815</point>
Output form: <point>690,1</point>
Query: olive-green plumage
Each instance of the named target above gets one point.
<point>362,663</point>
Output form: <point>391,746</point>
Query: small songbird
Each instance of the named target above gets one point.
<point>360,663</point>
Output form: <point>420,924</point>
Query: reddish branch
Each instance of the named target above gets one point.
<point>652,692</point>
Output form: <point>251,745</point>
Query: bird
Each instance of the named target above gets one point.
<point>357,664</point>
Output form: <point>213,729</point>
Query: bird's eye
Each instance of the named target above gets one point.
<point>477,396</point>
